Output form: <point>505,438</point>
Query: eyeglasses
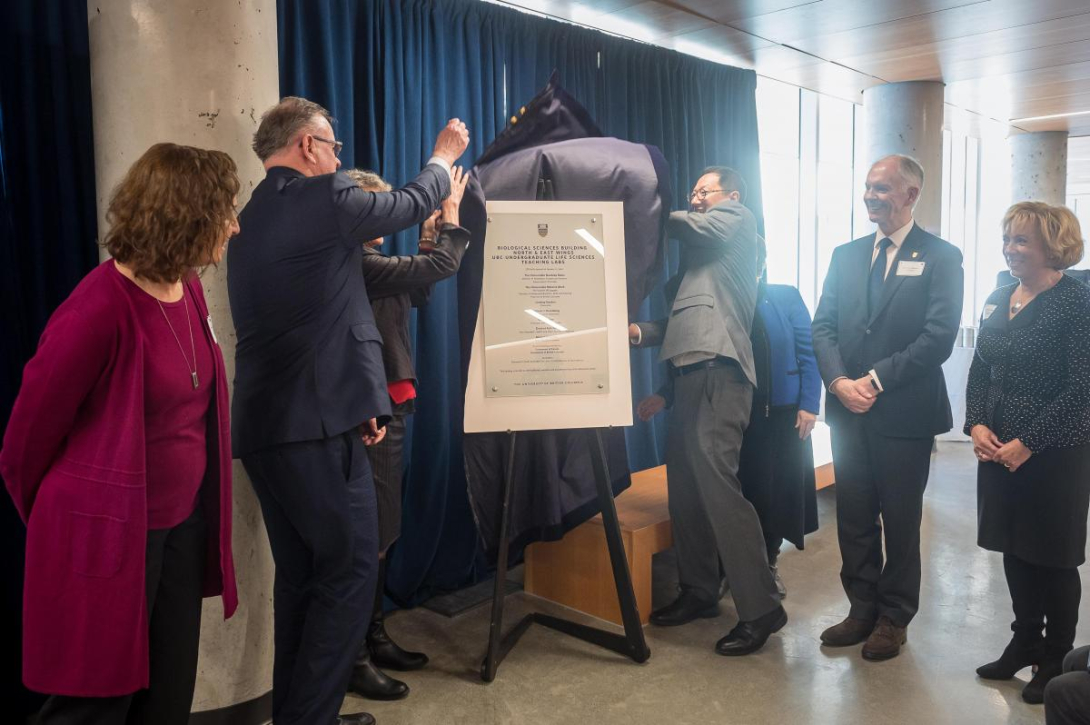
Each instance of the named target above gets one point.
<point>337,145</point>
<point>702,194</point>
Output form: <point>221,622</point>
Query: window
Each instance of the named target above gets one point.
<point>778,128</point>
<point>813,189</point>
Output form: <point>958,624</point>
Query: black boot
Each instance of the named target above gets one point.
<point>1051,666</point>
<point>374,684</point>
<point>384,651</point>
<point>1025,648</point>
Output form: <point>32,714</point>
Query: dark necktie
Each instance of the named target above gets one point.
<point>878,274</point>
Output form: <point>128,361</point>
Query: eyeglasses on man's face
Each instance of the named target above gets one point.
<point>702,194</point>
<point>337,145</point>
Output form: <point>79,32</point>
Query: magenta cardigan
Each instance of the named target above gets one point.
<point>73,460</point>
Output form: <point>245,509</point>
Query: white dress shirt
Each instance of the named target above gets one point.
<point>896,239</point>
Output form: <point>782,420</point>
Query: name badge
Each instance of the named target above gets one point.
<point>910,269</point>
<point>988,310</point>
<point>212,330</point>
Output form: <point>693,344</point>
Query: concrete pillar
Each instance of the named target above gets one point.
<point>1039,167</point>
<point>906,118</point>
<point>197,73</point>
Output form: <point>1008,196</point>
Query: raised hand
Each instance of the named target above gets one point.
<point>459,177</point>
<point>452,141</point>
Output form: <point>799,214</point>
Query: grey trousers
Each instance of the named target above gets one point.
<point>1067,697</point>
<point>712,521</point>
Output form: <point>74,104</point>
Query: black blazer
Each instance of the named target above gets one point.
<point>1030,377</point>
<point>395,284</point>
<point>905,340</point>
<point>308,364</point>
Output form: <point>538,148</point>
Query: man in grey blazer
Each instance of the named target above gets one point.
<point>705,343</point>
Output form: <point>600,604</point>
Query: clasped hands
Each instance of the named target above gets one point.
<point>857,395</point>
<point>987,447</point>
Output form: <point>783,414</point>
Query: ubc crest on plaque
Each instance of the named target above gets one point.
<point>543,230</point>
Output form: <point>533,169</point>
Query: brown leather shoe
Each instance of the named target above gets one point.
<point>885,641</point>
<point>850,631</point>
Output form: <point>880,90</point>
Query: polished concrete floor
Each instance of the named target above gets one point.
<point>549,678</point>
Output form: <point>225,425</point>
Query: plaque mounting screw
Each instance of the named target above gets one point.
<point>489,220</point>
<point>600,386</point>
<point>593,220</point>
<point>494,389</point>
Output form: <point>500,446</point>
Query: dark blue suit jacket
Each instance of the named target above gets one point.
<point>905,338</point>
<point>308,364</point>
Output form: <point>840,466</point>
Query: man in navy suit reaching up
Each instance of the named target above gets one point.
<point>310,390</point>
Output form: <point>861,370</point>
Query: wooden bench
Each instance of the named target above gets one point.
<point>575,571</point>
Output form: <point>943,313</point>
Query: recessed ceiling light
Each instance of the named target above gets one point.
<point>1046,118</point>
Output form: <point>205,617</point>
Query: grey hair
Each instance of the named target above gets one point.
<point>909,168</point>
<point>282,123</point>
<point>368,180</point>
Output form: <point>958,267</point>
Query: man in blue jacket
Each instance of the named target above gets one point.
<point>310,390</point>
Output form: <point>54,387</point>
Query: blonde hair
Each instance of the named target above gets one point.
<point>368,180</point>
<point>1058,227</point>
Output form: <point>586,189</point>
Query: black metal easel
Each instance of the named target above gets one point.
<point>632,643</point>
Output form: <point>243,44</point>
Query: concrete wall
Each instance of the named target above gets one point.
<point>197,73</point>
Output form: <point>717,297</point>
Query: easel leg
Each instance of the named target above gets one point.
<point>622,577</point>
<point>495,631</point>
<point>632,644</point>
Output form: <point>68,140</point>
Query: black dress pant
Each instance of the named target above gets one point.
<point>1067,697</point>
<point>318,502</point>
<point>388,468</point>
<point>880,483</point>
<point>174,578</point>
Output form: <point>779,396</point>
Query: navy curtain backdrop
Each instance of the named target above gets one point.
<point>392,72</point>
<point>47,230</point>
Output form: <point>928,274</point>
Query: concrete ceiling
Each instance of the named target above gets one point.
<point>1010,60</point>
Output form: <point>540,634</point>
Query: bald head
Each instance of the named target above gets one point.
<point>892,189</point>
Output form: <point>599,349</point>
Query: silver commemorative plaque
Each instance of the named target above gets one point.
<point>544,305</point>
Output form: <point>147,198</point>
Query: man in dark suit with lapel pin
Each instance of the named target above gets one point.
<point>310,390</point>
<point>888,316</point>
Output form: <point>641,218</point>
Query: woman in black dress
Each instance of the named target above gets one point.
<point>1028,412</point>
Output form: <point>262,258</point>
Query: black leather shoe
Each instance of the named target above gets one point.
<point>374,684</point>
<point>386,653</point>
<point>748,637</point>
<point>684,609</point>
<point>356,718</point>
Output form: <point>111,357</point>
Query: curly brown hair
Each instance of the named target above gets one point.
<point>170,211</point>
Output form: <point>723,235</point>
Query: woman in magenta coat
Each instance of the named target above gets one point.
<point>117,456</point>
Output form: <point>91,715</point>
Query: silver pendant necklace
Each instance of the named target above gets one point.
<point>192,344</point>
